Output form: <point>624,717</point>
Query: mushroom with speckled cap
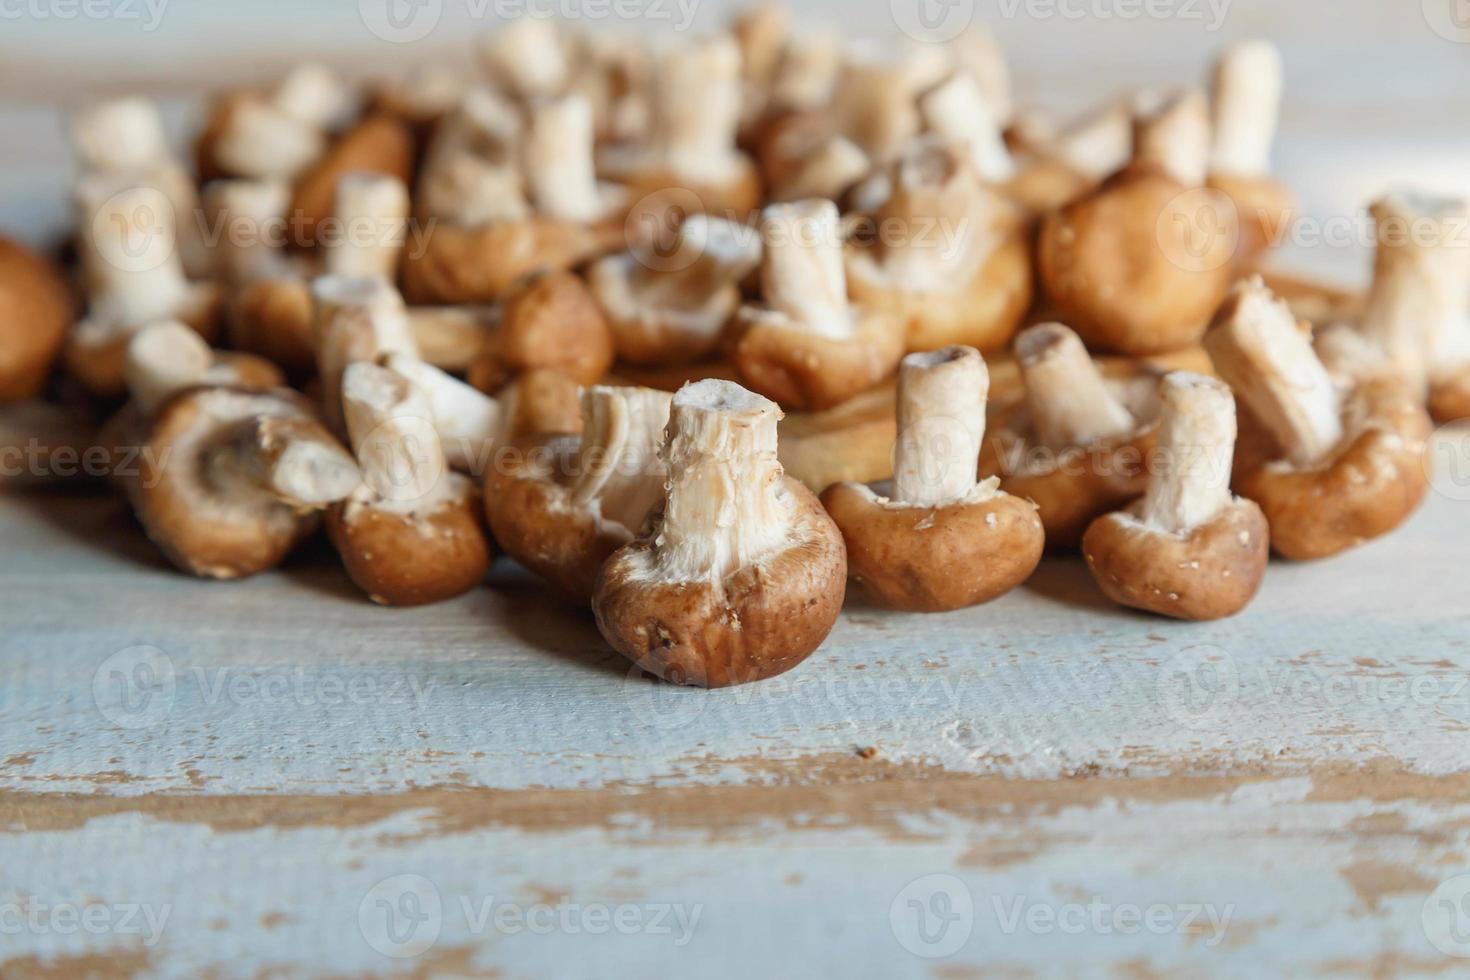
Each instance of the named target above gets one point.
<point>1188,548</point>
<point>936,538</point>
<point>740,575</point>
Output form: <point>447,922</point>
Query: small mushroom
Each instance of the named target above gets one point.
<point>959,112</point>
<point>1188,549</point>
<point>740,575</point>
<point>936,539</point>
<point>547,320</point>
<point>356,319</point>
<point>1330,470</point>
<point>488,235</point>
<point>276,134</point>
<point>807,347</point>
<point>1139,266</point>
<point>35,312</point>
<point>412,533</point>
<point>950,259</point>
<point>527,58</point>
<point>228,478</point>
<point>468,421</point>
<point>135,278</point>
<point>560,504</point>
<point>1077,443</point>
<point>672,308</point>
<point>1246,100</point>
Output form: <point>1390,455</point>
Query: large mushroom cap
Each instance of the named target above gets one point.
<point>35,310</point>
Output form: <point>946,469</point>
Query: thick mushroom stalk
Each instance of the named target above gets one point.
<point>527,58</point>
<point>1070,405</point>
<point>466,419</point>
<point>1098,144</point>
<point>559,164</point>
<point>1176,139</point>
<point>1247,100</point>
<point>1344,468</point>
<point>1258,348</point>
<point>807,73</point>
<point>937,539</point>
<point>314,94</point>
<point>162,360</point>
<point>371,214</point>
<point>740,577</point>
<point>293,459</point>
<point>1421,281</point>
<point>357,319</point>
<point>262,140</point>
<point>808,348</point>
<point>1189,549</point>
<point>941,426</point>
<point>413,532</point>
<point>560,505</point>
<point>247,212</point>
<point>132,262</point>
<point>876,94</point>
<point>958,111</point>
<point>119,135</point>
<point>697,109</point>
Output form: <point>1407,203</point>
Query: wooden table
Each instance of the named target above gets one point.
<point>275,778</point>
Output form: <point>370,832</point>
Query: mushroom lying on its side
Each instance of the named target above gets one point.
<point>228,478</point>
<point>35,311</point>
<point>740,576</point>
<point>1077,443</point>
<point>1330,470</point>
<point>412,533</point>
<point>936,539</point>
<point>1188,549</point>
<point>808,348</point>
<point>560,504</point>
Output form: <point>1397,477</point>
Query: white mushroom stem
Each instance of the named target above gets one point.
<point>119,134</point>
<point>1176,138</point>
<point>808,72</point>
<point>527,57</point>
<point>249,214</point>
<point>1190,484</point>
<point>711,253</point>
<point>1257,347</point>
<point>465,417</point>
<point>622,473</point>
<point>263,141</point>
<point>315,95</point>
<point>485,124</point>
<point>559,165</point>
<point>941,425</point>
<point>293,459</point>
<point>958,111</point>
<point>473,192</point>
<point>357,319</point>
<point>875,101</point>
<point>1097,145</point>
<point>1247,102</point>
<point>697,110</point>
<point>161,360</point>
<point>802,275</point>
<point>1421,280</point>
<point>132,263</point>
<point>1069,403</point>
<point>370,226</point>
<point>834,167</point>
<point>391,425</point>
<point>725,507</point>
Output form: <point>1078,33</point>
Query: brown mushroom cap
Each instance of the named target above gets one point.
<point>94,352</point>
<point>379,144</point>
<point>275,318</point>
<point>550,320</point>
<point>1133,268</point>
<point>1211,573</point>
<point>935,559</point>
<point>1369,486</point>
<point>35,311</point>
<point>413,559</point>
<point>810,372</point>
<point>1449,398</point>
<point>757,623</point>
<point>459,264</point>
<point>204,529</point>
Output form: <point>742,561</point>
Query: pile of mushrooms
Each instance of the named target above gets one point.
<point>700,336</point>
